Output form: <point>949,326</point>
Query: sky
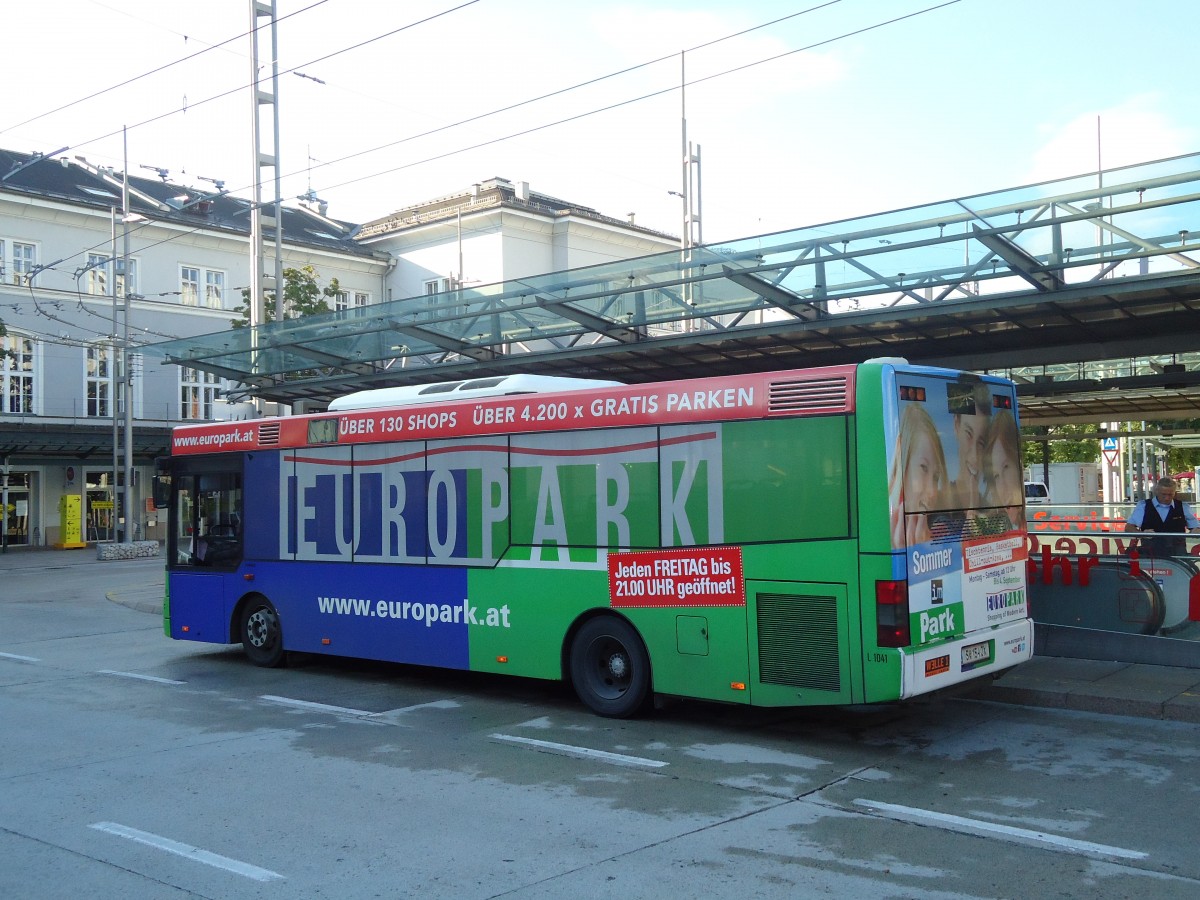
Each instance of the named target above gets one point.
<point>837,110</point>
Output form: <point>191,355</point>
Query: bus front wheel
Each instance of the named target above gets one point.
<point>609,667</point>
<point>262,636</point>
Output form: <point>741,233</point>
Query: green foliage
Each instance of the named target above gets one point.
<point>1075,450</point>
<point>1179,459</point>
<point>1182,459</point>
<point>1063,448</point>
<point>302,296</point>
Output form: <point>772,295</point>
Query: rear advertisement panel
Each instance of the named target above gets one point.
<point>955,503</point>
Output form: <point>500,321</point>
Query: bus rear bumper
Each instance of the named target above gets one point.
<point>980,653</point>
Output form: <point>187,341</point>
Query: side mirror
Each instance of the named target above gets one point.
<point>162,491</point>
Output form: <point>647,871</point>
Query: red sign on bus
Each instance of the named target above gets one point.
<point>691,576</point>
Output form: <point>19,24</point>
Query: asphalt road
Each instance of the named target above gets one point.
<point>134,766</point>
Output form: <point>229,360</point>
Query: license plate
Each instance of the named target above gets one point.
<point>976,654</point>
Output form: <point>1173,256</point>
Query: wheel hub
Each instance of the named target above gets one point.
<point>258,629</point>
<point>618,665</point>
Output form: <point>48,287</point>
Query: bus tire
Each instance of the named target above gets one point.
<point>262,635</point>
<point>610,669</point>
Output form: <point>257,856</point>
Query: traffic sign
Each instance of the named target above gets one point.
<point>1109,444</point>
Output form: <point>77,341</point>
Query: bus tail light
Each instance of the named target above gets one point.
<point>891,614</point>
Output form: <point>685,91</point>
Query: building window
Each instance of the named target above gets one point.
<point>24,258</point>
<point>442,306</point>
<point>189,286</point>
<point>132,382</point>
<point>17,374</point>
<point>122,281</point>
<point>97,274</point>
<point>99,381</point>
<point>196,283</point>
<point>344,300</point>
<point>214,289</point>
<point>99,268</point>
<point>197,391</point>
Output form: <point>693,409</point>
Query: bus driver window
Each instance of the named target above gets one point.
<point>208,520</point>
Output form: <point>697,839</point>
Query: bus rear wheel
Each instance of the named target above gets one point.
<point>262,636</point>
<point>610,668</point>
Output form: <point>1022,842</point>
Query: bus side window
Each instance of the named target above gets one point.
<point>219,537</point>
<point>185,514</point>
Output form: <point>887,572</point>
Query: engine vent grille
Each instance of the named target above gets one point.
<point>268,434</point>
<point>798,641</point>
<point>824,395</point>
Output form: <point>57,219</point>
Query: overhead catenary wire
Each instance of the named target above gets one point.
<point>162,68</point>
<point>190,106</point>
<point>631,100</point>
<point>543,126</point>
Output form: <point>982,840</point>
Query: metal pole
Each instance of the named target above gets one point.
<point>256,280</point>
<point>4,506</point>
<point>113,388</point>
<point>698,213</point>
<point>279,298</point>
<point>126,373</point>
<point>685,238</point>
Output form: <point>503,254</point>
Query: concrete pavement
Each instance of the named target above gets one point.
<point>1087,685</point>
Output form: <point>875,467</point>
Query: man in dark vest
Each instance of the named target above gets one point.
<point>1163,514</point>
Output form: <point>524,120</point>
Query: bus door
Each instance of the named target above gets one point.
<point>204,547</point>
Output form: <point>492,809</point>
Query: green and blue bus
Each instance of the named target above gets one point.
<point>834,535</point>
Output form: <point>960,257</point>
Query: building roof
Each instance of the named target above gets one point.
<point>80,182</point>
<point>492,194</point>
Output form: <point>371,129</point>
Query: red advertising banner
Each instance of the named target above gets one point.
<point>717,399</point>
<point>692,576</point>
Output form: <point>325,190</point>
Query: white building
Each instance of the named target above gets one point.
<point>62,298</point>
<point>499,231</point>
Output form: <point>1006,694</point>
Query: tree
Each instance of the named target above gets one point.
<point>1063,448</point>
<point>302,296</point>
<point>1182,459</point>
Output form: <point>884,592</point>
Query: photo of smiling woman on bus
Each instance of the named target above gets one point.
<point>971,406</point>
<point>1005,489</point>
<point>917,478</point>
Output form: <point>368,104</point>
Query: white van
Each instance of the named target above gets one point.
<point>1036,493</point>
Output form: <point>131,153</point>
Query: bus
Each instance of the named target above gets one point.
<point>837,535</point>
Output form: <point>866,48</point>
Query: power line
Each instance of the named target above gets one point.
<point>581,84</point>
<point>557,122</point>
<point>161,68</point>
<point>283,72</point>
<point>637,99</point>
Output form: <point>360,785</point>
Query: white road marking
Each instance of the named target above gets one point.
<point>319,707</point>
<point>589,753</point>
<point>974,826</point>
<point>237,867</point>
<point>140,677</point>
<point>20,658</point>
<point>433,704</point>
